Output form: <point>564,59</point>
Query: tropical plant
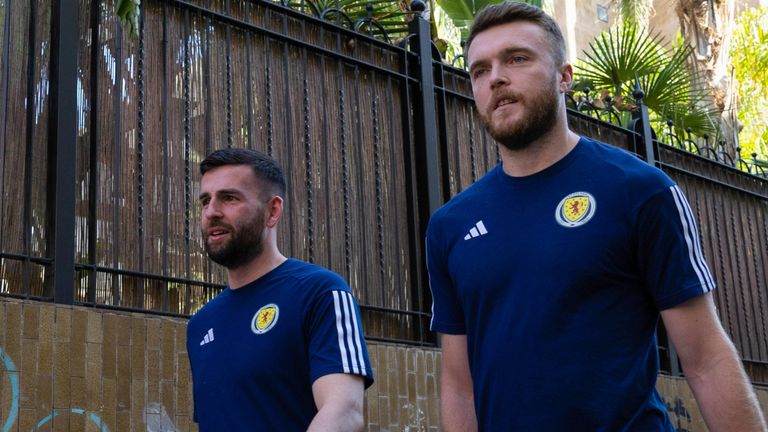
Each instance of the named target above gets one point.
<point>446,36</point>
<point>750,70</point>
<point>462,12</point>
<point>626,56</point>
<point>128,13</point>
<point>391,16</point>
<point>634,11</point>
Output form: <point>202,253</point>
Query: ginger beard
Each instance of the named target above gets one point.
<point>244,244</point>
<point>538,119</point>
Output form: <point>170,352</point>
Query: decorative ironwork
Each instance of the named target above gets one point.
<point>386,267</point>
<point>602,109</point>
<point>705,146</point>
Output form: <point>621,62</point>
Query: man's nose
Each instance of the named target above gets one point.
<point>212,210</point>
<point>498,77</point>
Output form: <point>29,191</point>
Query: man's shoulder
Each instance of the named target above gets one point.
<point>316,276</point>
<point>480,190</point>
<point>618,165</point>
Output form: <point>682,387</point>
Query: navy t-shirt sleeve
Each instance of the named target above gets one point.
<point>335,337</point>
<point>669,251</point>
<point>447,312</point>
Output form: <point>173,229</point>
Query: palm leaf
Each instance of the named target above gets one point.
<point>462,12</point>
<point>685,117</point>
<point>618,55</point>
<point>392,16</point>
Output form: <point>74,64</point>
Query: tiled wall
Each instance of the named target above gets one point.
<point>80,369</point>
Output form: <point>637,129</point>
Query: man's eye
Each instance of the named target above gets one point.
<point>478,73</point>
<point>518,59</point>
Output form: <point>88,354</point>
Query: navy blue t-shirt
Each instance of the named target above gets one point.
<point>255,351</point>
<point>557,279</point>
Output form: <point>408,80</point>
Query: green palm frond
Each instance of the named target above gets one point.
<point>128,13</point>
<point>627,56</point>
<point>462,12</point>
<point>392,15</point>
<point>676,81</point>
<point>618,55</point>
<point>684,117</point>
<point>633,10</point>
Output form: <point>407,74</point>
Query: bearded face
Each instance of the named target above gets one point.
<point>538,116</point>
<point>516,82</point>
<point>241,243</point>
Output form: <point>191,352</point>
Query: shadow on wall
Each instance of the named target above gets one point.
<point>156,417</point>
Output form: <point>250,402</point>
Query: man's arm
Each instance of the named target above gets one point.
<point>457,401</point>
<point>339,400</point>
<point>712,367</point>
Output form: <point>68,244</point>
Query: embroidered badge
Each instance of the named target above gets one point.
<point>265,319</point>
<point>575,210</point>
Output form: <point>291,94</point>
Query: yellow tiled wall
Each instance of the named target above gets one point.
<point>82,369</point>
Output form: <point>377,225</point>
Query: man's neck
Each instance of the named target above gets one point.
<point>267,261</point>
<point>539,155</point>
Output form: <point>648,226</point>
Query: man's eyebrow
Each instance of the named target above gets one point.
<point>504,52</point>
<point>222,192</point>
<point>229,192</point>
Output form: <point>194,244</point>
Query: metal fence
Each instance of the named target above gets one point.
<point>331,104</point>
<point>100,152</point>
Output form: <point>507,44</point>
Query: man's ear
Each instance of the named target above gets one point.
<point>274,211</point>
<point>565,75</point>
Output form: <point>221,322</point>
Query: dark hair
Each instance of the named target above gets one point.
<point>509,11</point>
<point>265,168</point>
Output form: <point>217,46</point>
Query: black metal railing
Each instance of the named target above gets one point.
<point>373,137</point>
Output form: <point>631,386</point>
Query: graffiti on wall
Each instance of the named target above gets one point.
<point>678,413</point>
<point>157,419</point>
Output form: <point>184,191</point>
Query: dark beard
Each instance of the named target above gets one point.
<point>539,121</point>
<point>244,245</point>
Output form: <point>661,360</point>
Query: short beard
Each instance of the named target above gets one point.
<point>244,246</point>
<point>538,122</point>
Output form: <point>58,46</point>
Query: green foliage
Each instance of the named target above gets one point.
<point>626,55</point>
<point>749,54</point>
<point>128,13</point>
<point>446,35</point>
<point>633,11</point>
<point>462,12</point>
<point>616,56</point>
<point>392,15</point>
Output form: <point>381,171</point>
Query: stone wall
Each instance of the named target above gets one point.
<point>81,369</point>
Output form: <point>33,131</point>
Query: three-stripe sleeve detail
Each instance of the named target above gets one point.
<point>691,234</point>
<point>347,328</point>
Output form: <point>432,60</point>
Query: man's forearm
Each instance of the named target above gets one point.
<point>337,419</point>
<point>725,395</point>
<point>458,413</point>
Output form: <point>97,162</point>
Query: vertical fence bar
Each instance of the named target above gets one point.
<point>62,142</point>
<point>427,155</point>
<point>645,124</point>
<point>140,300</point>
<point>93,153</point>
<point>118,281</point>
<point>165,169</point>
<point>31,107</point>
<point>650,158</point>
<point>427,151</point>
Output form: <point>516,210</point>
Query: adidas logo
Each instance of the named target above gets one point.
<point>476,231</point>
<point>208,337</point>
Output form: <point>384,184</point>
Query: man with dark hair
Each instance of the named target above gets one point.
<point>549,274</point>
<point>281,348</point>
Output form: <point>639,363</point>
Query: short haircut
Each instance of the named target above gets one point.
<point>266,169</point>
<point>510,11</point>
